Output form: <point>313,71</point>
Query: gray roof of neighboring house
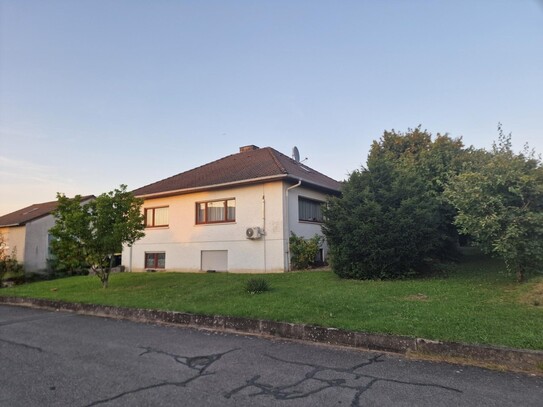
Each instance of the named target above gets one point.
<point>32,212</point>
<point>250,165</point>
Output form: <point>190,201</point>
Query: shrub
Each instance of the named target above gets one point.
<point>256,286</point>
<point>58,269</point>
<point>303,251</point>
<point>9,264</point>
<point>383,226</point>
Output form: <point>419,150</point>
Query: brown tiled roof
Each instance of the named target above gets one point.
<point>32,212</point>
<point>257,165</point>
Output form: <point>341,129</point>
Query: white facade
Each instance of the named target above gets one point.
<point>191,247</point>
<point>14,238</point>
<point>36,250</point>
<point>31,242</point>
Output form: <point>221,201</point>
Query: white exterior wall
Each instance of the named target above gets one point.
<point>260,205</point>
<point>15,238</point>
<point>183,240</point>
<point>37,243</point>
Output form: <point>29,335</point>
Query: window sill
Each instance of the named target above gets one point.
<point>312,222</point>
<point>215,223</point>
<point>157,227</point>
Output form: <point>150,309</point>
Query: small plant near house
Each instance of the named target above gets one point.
<point>304,251</point>
<point>257,286</point>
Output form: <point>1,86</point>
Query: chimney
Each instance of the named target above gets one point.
<point>248,148</point>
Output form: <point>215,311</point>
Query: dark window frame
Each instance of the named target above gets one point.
<point>153,209</point>
<point>311,201</point>
<point>206,220</point>
<point>155,260</point>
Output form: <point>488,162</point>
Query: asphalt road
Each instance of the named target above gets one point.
<point>62,359</point>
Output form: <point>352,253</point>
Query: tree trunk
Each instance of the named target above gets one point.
<point>104,276</point>
<point>520,275</point>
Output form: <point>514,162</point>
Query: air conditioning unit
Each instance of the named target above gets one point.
<point>253,233</point>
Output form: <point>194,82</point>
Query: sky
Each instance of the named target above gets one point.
<point>98,93</point>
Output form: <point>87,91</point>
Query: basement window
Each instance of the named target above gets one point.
<point>155,260</point>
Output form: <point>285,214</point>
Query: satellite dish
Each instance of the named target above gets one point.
<point>296,154</point>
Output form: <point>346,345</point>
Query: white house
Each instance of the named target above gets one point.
<point>26,233</point>
<point>234,214</point>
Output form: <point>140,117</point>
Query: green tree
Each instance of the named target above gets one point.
<point>500,205</point>
<point>434,162</point>
<point>94,232</point>
<point>391,220</point>
<point>383,226</point>
<point>68,252</point>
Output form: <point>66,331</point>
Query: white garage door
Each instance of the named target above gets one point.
<point>216,260</point>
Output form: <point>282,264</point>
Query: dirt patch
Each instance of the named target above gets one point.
<point>534,296</point>
<point>535,371</point>
<point>417,297</point>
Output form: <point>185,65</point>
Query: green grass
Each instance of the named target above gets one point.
<point>477,303</point>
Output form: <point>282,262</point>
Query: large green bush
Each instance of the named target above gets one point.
<point>384,226</point>
<point>392,220</point>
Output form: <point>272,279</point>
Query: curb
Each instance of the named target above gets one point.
<point>505,358</point>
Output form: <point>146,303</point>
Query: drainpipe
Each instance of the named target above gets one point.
<point>130,259</point>
<point>287,217</point>
<point>264,226</point>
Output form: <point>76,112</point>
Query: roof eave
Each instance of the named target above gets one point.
<point>285,177</point>
<point>84,199</point>
<point>314,185</point>
<point>184,191</point>
<point>12,225</point>
<point>23,223</point>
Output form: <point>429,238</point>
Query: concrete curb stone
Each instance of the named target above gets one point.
<point>512,359</point>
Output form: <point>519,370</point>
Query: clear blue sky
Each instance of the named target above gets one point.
<point>98,93</point>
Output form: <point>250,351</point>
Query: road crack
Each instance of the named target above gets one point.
<point>295,390</point>
<point>24,345</point>
<point>200,364</point>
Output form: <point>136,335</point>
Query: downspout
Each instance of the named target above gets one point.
<point>264,225</point>
<point>130,259</point>
<point>287,217</point>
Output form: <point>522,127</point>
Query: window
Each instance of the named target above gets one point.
<point>309,210</point>
<point>155,260</point>
<point>156,217</point>
<point>50,239</point>
<point>216,211</point>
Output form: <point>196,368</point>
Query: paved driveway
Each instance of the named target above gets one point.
<point>61,359</point>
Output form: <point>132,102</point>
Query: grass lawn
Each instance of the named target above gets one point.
<point>476,302</point>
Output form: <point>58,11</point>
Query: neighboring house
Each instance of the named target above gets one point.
<point>234,214</point>
<point>26,232</point>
